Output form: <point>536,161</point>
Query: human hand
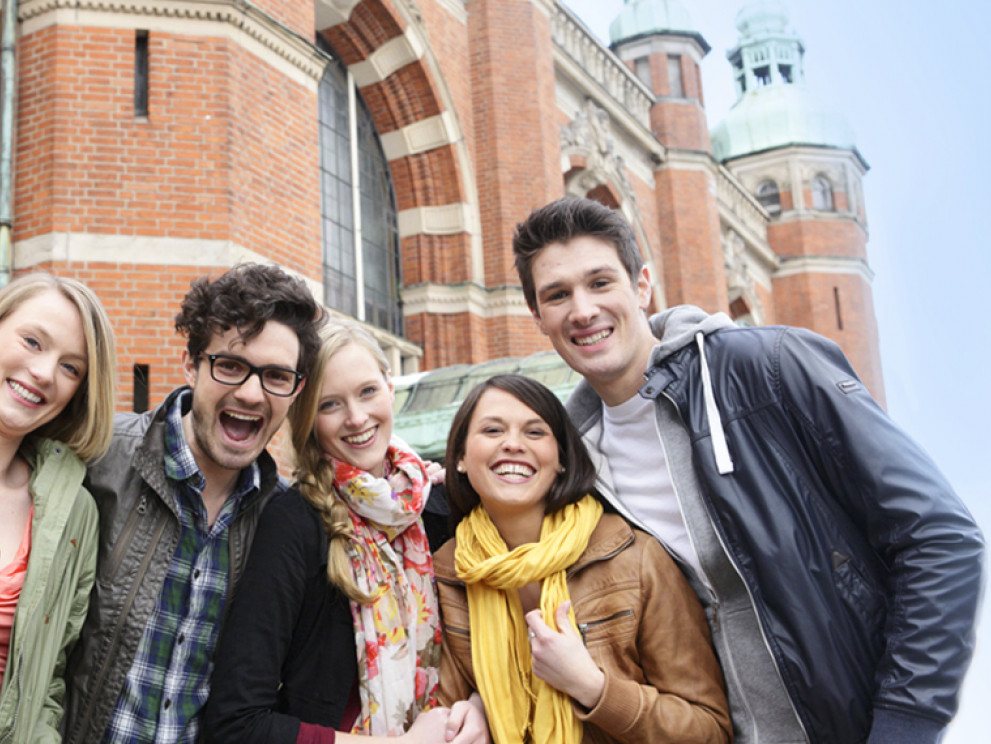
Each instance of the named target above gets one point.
<point>430,727</point>
<point>561,659</point>
<point>436,472</point>
<point>468,723</point>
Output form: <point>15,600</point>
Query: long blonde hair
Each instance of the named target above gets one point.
<point>314,475</point>
<point>85,425</point>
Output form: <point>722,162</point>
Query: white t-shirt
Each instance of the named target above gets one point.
<point>640,474</point>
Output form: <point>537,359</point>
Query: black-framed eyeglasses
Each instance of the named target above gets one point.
<point>230,370</point>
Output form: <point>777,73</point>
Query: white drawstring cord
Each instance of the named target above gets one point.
<point>724,463</point>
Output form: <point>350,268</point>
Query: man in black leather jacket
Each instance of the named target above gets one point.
<point>839,571</point>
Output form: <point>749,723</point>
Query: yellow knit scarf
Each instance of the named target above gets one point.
<point>521,708</point>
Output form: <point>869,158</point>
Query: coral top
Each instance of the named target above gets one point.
<point>11,581</point>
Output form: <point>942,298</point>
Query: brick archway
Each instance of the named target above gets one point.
<point>394,69</point>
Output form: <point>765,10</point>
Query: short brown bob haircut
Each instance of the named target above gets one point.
<point>570,486</point>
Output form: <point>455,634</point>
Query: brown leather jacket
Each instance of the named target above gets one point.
<point>643,626</point>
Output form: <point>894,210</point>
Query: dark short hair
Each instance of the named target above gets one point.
<point>578,477</point>
<point>246,298</point>
<point>564,220</point>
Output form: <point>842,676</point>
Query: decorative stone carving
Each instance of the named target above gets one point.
<point>589,135</point>
<point>744,302</point>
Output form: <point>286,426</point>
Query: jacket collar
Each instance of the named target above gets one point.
<point>611,535</point>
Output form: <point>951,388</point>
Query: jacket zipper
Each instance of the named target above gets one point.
<point>583,627</point>
<point>126,535</point>
<point>116,637</point>
<point>736,568</point>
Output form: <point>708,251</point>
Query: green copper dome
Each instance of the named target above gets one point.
<point>774,108</point>
<point>642,17</point>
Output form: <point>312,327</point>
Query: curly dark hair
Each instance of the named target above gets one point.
<point>578,477</point>
<point>246,298</point>
<point>564,220</point>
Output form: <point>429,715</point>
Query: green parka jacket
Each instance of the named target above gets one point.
<point>54,598</point>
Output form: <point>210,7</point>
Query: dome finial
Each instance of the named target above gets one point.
<point>774,108</point>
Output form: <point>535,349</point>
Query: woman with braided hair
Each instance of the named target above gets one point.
<point>334,632</point>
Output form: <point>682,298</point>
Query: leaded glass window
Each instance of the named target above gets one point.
<point>358,206</point>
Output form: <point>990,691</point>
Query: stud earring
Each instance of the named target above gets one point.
<point>460,468</point>
<point>561,469</point>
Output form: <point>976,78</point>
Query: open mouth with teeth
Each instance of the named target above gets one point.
<point>514,471</point>
<point>362,438</point>
<point>593,339</point>
<point>24,394</point>
<point>240,427</point>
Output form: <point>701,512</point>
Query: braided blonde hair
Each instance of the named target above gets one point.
<point>313,473</point>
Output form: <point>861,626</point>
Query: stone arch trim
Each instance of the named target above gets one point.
<point>385,47</point>
<point>591,167</point>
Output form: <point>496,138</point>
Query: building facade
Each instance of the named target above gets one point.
<point>385,149</point>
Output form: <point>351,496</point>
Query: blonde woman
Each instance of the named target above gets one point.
<point>334,633</point>
<point>57,367</point>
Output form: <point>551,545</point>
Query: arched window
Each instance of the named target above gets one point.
<point>769,197</point>
<point>822,194</point>
<point>360,232</point>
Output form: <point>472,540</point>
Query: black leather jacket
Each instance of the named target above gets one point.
<point>139,531</point>
<point>863,565</point>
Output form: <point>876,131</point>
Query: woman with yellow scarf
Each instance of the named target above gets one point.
<point>572,626</point>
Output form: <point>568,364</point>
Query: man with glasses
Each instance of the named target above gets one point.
<point>180,492</point>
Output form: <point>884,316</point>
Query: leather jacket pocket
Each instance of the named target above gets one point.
<point>863,598</point>
<point>617,626</point>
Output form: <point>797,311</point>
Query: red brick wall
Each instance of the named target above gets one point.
<point>515,113</point>
<point>680,124</point>
<point>226,152</point>
<point>810,301</point>
<point>690,240</point>
<point>827,237</point>
<point>292,13</point>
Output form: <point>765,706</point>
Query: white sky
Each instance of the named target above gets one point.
<point>913,80</point>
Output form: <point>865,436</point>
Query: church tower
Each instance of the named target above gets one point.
<point>658,41</point>
<point>797,155</point>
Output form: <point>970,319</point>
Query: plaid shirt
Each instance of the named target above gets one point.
<point>169,681</point>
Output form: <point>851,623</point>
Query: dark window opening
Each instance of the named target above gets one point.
<point>141,73</point>
<point>822,194</point>
<point>140,404</point>
<point>361,266</point>
<point>769,197</point>
<point>642,70</point>
<point>785,71</point>
<point>674,76</point>
<point>762,75</point>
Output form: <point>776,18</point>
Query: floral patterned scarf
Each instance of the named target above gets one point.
<point>397,634</point>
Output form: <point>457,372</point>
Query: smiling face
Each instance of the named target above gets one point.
<point>594,315</point>
<point>43,361</point>
<point>230,425</point>
<point>354,410</point>
<point>511,460</point>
